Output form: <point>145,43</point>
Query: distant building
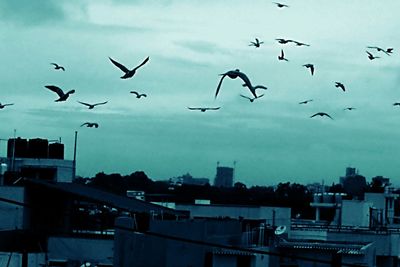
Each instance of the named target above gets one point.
<point>353,183</point>
<point>224,177</point>
<point>350,172</point>
<point>188,179</point>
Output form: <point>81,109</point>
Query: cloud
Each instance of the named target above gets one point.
<point>34,13</point>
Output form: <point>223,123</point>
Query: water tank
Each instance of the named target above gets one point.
<point>38,148</point>
<point>56,151</point>
<point>17,147</point>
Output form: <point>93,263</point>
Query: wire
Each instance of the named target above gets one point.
<point>199,242</point>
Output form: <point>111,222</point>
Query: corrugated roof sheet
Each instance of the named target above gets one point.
<point>348,248</point>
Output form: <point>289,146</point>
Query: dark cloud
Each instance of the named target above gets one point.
<point>28,12</point>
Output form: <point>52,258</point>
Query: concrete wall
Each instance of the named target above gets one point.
<point>377,199</point>
<point>81,249</point>
<point>12,216</point>
<point>64,167</point>
<point>141,250</point>
<point>282,215</point>
<point>356,213</point>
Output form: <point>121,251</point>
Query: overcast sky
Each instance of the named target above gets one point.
<point>189,43</point>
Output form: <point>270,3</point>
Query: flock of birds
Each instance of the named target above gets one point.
<point>232,74</point>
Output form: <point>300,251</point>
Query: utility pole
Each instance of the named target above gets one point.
<point>74,163</point>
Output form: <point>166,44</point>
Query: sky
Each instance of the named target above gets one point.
<point>190,43</point>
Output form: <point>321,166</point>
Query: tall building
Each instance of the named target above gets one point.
<point>224,177</point>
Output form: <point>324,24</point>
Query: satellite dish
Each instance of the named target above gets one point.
<point>280,230</point>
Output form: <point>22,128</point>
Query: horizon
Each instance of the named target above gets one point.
<point>272,139</point>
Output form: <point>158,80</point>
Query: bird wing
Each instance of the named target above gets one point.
<point>119,65</point>
<point>134,92</point>
<point>219,85</point>
<point>96,125</point>
<point>102,103</point>
<point>244,96</point>
<point>8,104</point>
<point>312,69</point>
<point>316,114</point>
<point>144,95</point>
<point>260,96</point>
<point>83,103</point>
<point>213,108</point>
<point>86,123</point>
<point>55,89</point>
<point>260,87</point>
<point>369,54</point>
<point>55,64</point>
<point>325,114</point>
<point>141,64</point>
<point>246,80</point>
<point>374,47</point>
<point>194,108</point>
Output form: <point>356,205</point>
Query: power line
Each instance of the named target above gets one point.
<point>199,242</point>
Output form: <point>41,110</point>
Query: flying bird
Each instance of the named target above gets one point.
<point>203,109</point>
<point>349,108</point>
<point>306,101</point>
<point>311,67</point>
<point>62,96</point>
<point>280,5</point>
<point>251,99</point>
<point>5,105</point>
<point>396,104</point>
<point>283,41</point>
<point>340,85</point>
<point>282,56</point>
<point>91,124</point>
<point>321,114</point>
<point>370,56</point>
<point>233,74</point>
<point>138,95</point>
<point>256,44</point>
<point>128,73</point>
<point>388,51</point>
<point>91,106</point>
<point>58,67</point>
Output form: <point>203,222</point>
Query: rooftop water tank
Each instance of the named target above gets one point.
<point>56,151</point>
<point>38,148</point>
<point>17,147</point>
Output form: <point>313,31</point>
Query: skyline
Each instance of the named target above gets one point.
<point>273,139</point>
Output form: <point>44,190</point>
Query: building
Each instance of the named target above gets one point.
<point>224,177</point>
<point>36,158</point>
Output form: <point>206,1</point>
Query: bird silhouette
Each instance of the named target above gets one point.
<point>321,114</point>
<point>282,56</point>
<point>204,109</point>
<point>5,105</point>
<point>388,51</point>
<point>340,85</point>
<point>233,74</point>
<point>138,95</point>
<point>300,43</point>
<point>256,44</point>
<point>90,124</point>
<point>62,96</point>
<point>58,67</point>
<point>251,99</point>
<point>311,67</point>
<point>283,41</point>
<point>128,73</point>
<point>396,104</point>
<point>280,5</point>
<point>370,56</point>
<point>91,106</point>
<point>306,101</point>
<point>349,108</point>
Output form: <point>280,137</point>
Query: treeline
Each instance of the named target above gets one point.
<point>293,195</point>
